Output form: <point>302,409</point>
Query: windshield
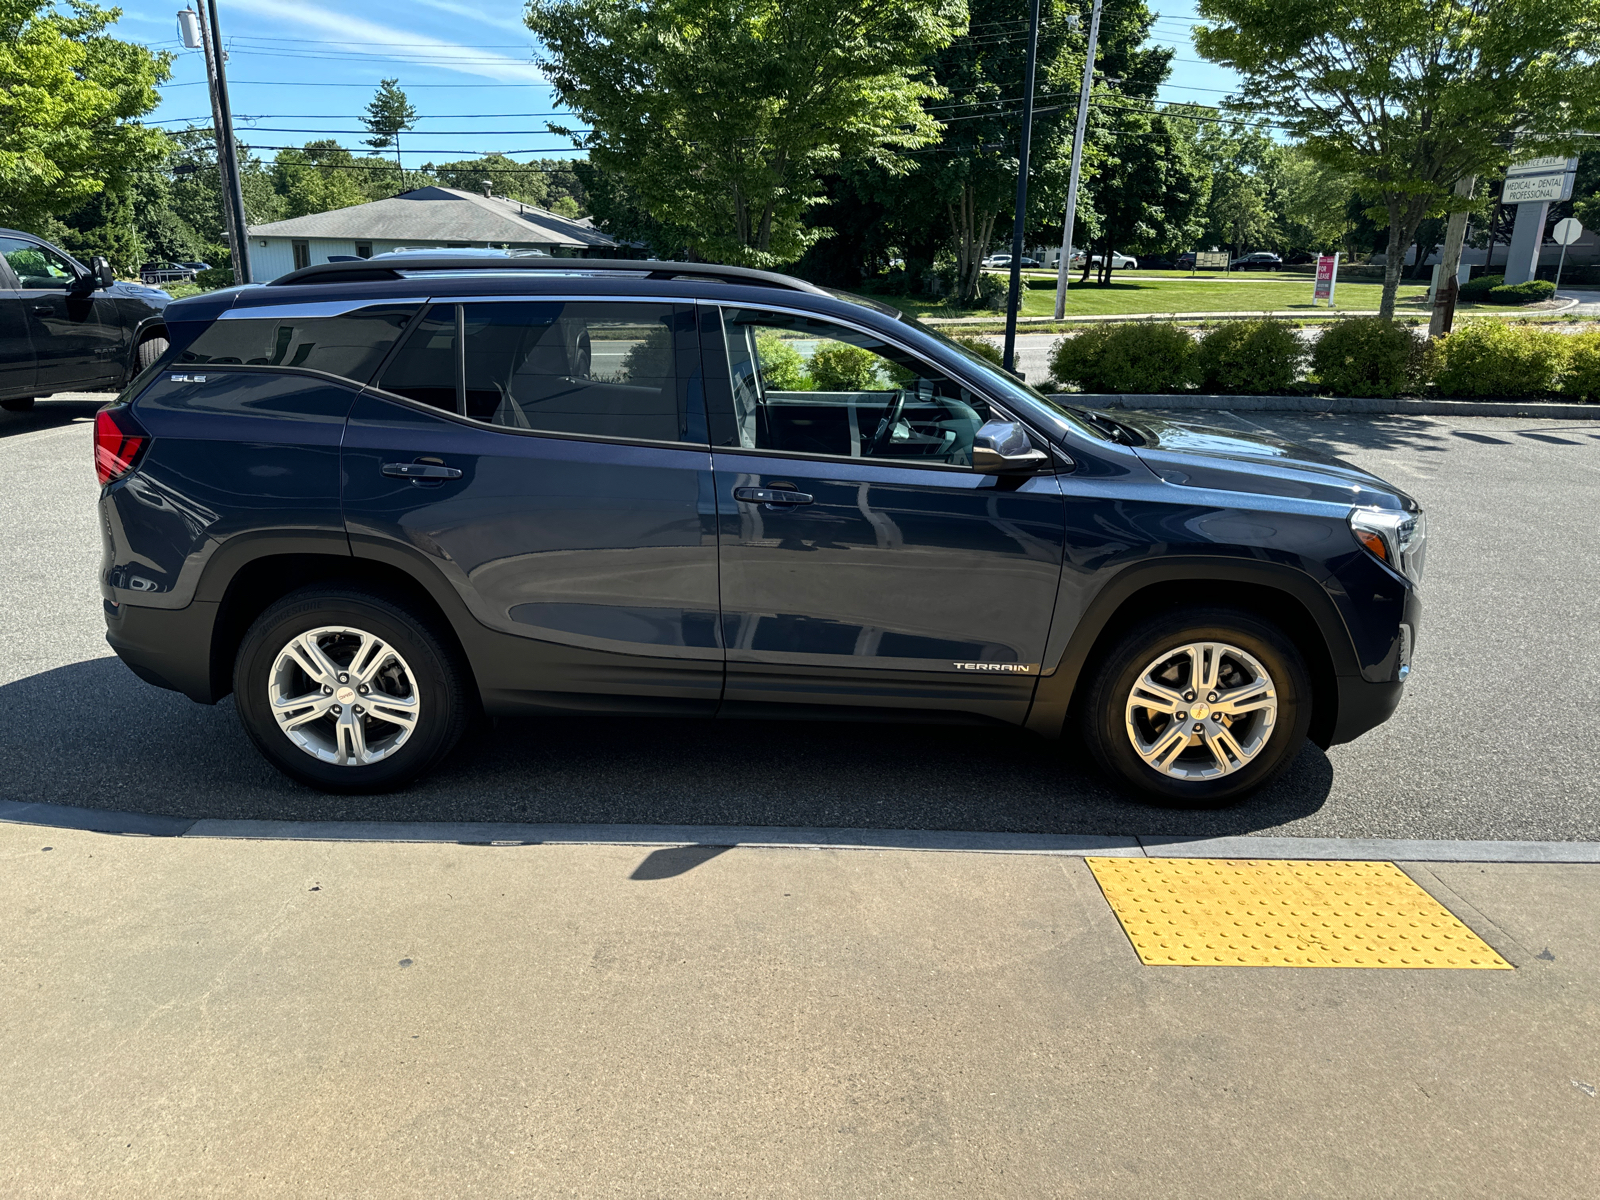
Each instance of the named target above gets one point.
<point>1010,387</point>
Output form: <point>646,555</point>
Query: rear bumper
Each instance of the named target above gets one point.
<point>169,647</point>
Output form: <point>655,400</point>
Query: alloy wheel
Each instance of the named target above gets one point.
<point>343,695</point>
<point>1201,710</point>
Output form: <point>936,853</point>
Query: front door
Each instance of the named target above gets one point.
<point>549,459</point>
<point>77,334</point>
<point>864,562</point>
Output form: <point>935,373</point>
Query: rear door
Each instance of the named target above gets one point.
<point>77,332</point>
<point>549,459</point>
<point>864,562</point>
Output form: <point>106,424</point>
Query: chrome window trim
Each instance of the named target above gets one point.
<point>313,309</point>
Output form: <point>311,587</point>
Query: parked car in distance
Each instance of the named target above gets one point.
<point>166,272</point>
<point>1003,262</point>
<point>1158,262</point>
<point>1119,261</point>
<point>65,326</point>
<point>1184,261</point>
<point>196,267</point>
<point>1259,260</point>
<point>374,501</point>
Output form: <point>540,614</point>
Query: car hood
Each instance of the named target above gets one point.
<point>1193,454</point>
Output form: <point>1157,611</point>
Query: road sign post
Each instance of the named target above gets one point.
<point>1565,233</point>
<point>1327,277</point>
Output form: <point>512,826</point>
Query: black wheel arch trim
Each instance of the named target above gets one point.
<point>1056,689</point>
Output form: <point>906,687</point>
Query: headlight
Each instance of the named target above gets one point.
<point>1399,539</point>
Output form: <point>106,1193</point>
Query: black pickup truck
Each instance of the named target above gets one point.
<point>65,327</point>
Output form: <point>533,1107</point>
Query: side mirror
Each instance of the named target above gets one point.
<point>1004,446</point>
<point>104,276</point>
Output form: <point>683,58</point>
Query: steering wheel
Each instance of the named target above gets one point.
<point>891,418</point>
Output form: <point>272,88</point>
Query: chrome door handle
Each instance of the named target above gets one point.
<point>752,495</point>
<point>44,310</point>
<point>420,471</point>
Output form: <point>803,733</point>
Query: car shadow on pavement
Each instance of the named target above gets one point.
<point>52,414</point>
<point>140,749</point>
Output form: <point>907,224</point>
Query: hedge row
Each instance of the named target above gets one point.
<point>1363,356</point>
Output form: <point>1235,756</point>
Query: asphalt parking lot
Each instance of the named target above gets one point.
<point>1495,739</point>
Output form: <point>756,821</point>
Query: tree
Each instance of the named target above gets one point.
<point>721,116</point>
<point>1148,190</point>
<point>69,94</point>
<point>389,114</point>
<point>528,182</point>
<point>320,177</point>
<point>1409,96</point>
<point>1315,200</point>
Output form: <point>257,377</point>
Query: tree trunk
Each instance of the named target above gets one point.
<point>972,233</point>
<point>1405,214</point>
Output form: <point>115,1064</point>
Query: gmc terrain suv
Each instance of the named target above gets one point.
<point>374,500</point>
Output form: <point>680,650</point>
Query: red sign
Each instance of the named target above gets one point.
<point>1327,275</point>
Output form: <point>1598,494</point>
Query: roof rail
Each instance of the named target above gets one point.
<point>445,261</point>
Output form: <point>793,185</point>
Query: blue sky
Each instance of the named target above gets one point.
<point>300,70</point>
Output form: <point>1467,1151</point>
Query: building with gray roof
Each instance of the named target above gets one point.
<point>427,217</point>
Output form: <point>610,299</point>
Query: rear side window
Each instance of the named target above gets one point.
<point>350,345</point>
<point>626,370</point>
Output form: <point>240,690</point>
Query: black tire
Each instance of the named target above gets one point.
<point>18,404</point>
<point>150,350</point>
<point>438,680</point>
<point>1104,720</point>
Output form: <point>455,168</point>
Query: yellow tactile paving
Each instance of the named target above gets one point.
<point>1251,913</point>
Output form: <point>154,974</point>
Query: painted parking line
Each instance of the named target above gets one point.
<point>1264,913</point>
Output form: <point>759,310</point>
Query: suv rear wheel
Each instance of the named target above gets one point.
<point>1198,708</point>
<point>349,691</point>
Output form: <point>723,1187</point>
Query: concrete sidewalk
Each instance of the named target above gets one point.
<point>187,1016</point>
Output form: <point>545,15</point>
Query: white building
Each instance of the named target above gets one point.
<point>425,218</point>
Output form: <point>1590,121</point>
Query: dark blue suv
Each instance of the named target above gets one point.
<point>374,501</point>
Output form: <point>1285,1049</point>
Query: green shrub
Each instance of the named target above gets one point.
<point>1250,358</point>
<point>215,277</point>
<point>649,360</point>
<point>1531,292</point>
<point>781,365</point>
<point>1365,356</point>
<point>841,367</point>
<point>1138,357</point>
<point>1478,289</point>
<point>981,346</point>
<point>1494,358</point>
<point>1581,380</point>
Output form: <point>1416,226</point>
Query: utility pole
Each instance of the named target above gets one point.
<point>1019,226</point>
<point>1455,234</point>
<point>200,33</point>
<point>1077,162</point>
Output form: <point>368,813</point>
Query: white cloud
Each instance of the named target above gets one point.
<point>368,37</point>
<point>477,14</point>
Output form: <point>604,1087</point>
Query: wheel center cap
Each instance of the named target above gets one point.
<point>345,695</point>
<point>1199,711</point>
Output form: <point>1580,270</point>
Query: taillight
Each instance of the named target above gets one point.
<point>118,442</point>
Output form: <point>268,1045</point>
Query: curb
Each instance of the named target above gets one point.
<point>507,834</point>
<point>1182,402</point>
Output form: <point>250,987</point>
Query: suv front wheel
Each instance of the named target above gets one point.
<point>1199,708</point>
<point>349,691</point>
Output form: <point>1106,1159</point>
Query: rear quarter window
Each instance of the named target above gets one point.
<point>350,345</point>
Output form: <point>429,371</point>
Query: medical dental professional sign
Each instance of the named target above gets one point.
<point>1539,180</point>
<point>1327,275</point>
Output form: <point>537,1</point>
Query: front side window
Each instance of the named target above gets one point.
<point>811,386</point>
<point>36,266</point>
<point>350,345</point>
<point>588,369</point>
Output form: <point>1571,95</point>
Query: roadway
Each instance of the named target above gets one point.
<point>1492,741</point>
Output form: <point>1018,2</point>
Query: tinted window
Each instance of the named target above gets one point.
<point>813,387</point>
<point>425,367</point>
<point>37,266</point>
<point>601,370</point>
<point>351,345</point>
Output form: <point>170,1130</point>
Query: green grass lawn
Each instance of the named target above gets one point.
<point>1161,292</point>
